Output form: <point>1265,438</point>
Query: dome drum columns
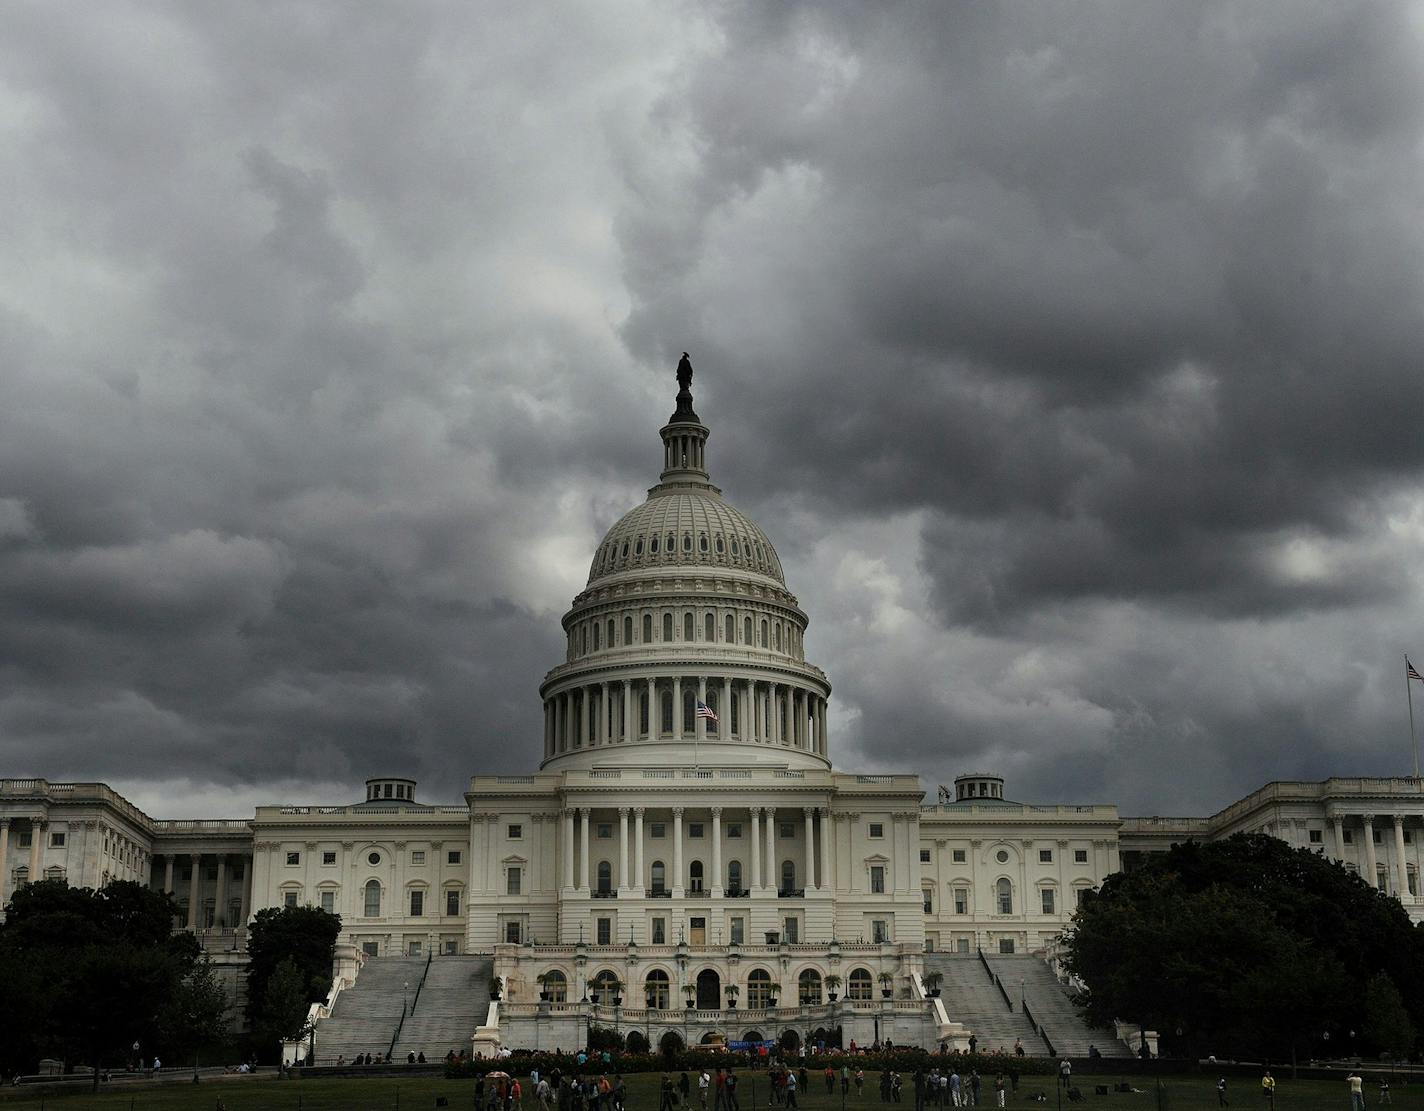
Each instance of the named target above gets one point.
<point>658,708</point>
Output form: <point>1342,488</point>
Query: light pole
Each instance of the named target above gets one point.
<point>138,1057</point>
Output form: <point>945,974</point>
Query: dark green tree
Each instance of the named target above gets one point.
<point>1387,1027</point>
<point>305,937</point>
<point>1243,945</point>
<point>284,1007</point>
<point>195,1017</point>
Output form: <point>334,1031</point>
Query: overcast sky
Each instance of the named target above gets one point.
<point>1069,353</point>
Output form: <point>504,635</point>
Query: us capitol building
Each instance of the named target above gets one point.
<point>686,839</point>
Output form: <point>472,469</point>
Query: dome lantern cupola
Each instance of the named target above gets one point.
<point>684,438</point>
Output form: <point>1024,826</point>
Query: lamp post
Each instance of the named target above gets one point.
<point>138,1057</point>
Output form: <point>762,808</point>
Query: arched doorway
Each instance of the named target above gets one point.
<point>671,1043</point>
<point>709,990</point>
<point>790,1040</point>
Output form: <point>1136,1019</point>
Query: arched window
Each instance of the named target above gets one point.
<point>721,545</point>
<point>734,877</point>
<point>747,630</point>
<point>667,712</point>
<point>653,546</point>
<point>731,629</point>
<point>583,638</point>
<point>595,637</point>
<point>689,708</point>
<point>763,642</point>
<point>759,989</point>
<point>709,628</point>
<point>612,630</point>
<point>858,984</point>
<point>733,703</point>
<point>687,627</point>
<point>656,990</point>
<point>702,543</point>
<point>605,878</point>
<point>671,544</point>
<point>373,899</point>
<point>643,713</point>
<point>667,627</point>
<point>694,876</point>
<point>647,628</point>
<point>602,988</point>
<point>687,542</point>
<point>808,987</point>
<point>659,878</point>
<point>627,630</point>
<point>788,875</point>
<point>776,637</point>
<point>1005,892</point>
<point>556,986</point>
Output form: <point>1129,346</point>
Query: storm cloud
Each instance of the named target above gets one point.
<point>1068,353</point>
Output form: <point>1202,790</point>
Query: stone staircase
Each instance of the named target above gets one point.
<point>970,996</point>
<point>1052,1006</point>
<point>453,1002</point>
<point>367,1013</point>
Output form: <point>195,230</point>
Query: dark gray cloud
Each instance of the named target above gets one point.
<point>1069,354</point>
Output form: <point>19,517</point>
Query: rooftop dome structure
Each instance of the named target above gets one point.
<point>685,641</point>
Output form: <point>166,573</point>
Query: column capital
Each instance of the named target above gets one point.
<point>1398,821</point>
<point>638,811</point>
<point>623,811</point>
<point>808,810</point>
<point>195,857</point>
<point>716,812</point>
<point>1368,819</point>
<point>677,811</point>
<point>584,810</point>
<point>4,822</point>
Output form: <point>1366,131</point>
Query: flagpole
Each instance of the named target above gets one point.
<point>1413,737</point>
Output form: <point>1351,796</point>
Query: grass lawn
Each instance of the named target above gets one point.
<point>1186,1093</point>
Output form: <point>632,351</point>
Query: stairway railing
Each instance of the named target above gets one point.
<point>998,983</point>
<point>396,1036</point>
<point>1039,1030</point>
<point>424,972</point>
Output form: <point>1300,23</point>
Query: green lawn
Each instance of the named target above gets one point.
<point>386,1094</point>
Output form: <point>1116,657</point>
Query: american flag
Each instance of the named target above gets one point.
<point>706,711</point>
<point>1409,670</point>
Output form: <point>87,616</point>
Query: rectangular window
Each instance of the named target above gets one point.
<point>659,931</point>
<point>413,949</point>
<point>604,931</point>
<point>1006,945</point>
<point>1080,856</point>
<point>294,859</point>
<point>452,857</point>
<point>1316,836</point>
<point>927,900</point>
<point>957,856</point>
<point>694,829</point>
<point>961,900</point>
<point>1047,896</point>
<point>56,840</point>
<point>328,901</point>
<point>516,832</point>
<point>452,903</point>
<point>788,829</point>
<point>371,948</point>
<point>1378,836</point>
<point>697,931</point>
<point>1045,856</point>
<point>879,930</point>
<point>605,830</point>
<point>511,882</point>
<point>328,858</point>
<point>657,829</point>
<point>924,856</point>
<point>417,904</point>
<point>1349,836</point>
<point>1412,878</point>
<point>513,931</point>
<point>26,839</point>
<point>877,829</point>
<point>1082,894</point>
<point>877,879</point>
<point>289,898</point>
<point>734,831</point>
<point>739,926</point>
<point>793,930</point>
<point>451,947</point>
<point>417,856</point>
<point>961,945</point>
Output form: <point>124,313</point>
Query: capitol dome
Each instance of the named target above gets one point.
<point>685,646</point>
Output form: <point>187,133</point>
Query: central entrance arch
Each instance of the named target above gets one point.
<point>709,990</point>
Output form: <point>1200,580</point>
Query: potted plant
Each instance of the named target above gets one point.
<point>732,992</point>
<point>614,987</point>
<point>932,982</point>
<point>543,980</point>
<point>833,983</point>
<point>887,985</point>
<point>773,990</point>
<point>690,990</point>
<point>496,985</point>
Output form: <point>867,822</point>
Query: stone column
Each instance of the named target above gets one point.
<point>699,723</point>
<point>583,829</point>
<point>827,869</point>
<point>583,717</point>
<point>639,881</point>
<point>677,878</point>
<point>4,860</point>
<point>1373,876</point>
<point>1338,824</point>
<point>37,836</point>
<point>810,848</point>
<point>246,889</point>
<point>756,847</point>
<point>628,729</point>
<point>622,848</point>
<point>716,884</point>
<point>219,912</point>
<point>821,718</point>
<point>568,848</point>
<point>197,860</point>
<point>168,873</point>
<point>677,724</point>
<point>772,876</point>
<point>1401,867</point>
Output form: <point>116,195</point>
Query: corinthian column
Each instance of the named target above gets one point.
<point>1401,866</point>
<point>1373,876</point>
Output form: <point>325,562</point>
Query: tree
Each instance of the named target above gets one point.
<point>306,936</point>
<point>284,1007</point>
<point>1387,1025</point>
<point>1243,945</point>
<point>195,1018</point>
